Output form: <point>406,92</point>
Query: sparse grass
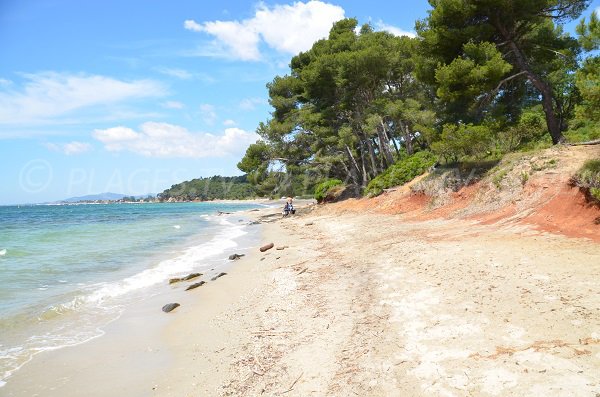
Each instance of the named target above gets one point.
<point>544,166</point>
<point>588,179</point>
<point>402,172</point>
<point>498,177</point>
<point>524,177</point>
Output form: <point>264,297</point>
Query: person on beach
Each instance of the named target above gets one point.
<point>289,207</point>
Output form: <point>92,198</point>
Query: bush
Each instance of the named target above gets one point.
<point>463,141</point>
<point>583,131</point>
<point>529,133</point>
<point>323,188</point>
<point>402,172</point>
<point>588,179</point>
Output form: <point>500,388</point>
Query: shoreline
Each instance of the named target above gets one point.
<point>149,297</point>
<point>365,304</point>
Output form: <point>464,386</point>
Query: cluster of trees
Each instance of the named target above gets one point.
<point>482,77</point>
<point>212,188</point>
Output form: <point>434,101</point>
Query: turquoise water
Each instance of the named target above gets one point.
<point>65,271</point>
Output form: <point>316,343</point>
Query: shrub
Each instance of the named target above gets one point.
<point>588,179</point>
<point>463,141</point>
<point>528,133</point>
<point>402,172</point>
<point>323,188</point>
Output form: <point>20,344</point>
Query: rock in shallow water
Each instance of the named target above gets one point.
<point>235,257</point>
<point>191,276</point>
<point>186,278</point>
<point>217,276</point>
<point>196,285</point>
<point>170,306</point>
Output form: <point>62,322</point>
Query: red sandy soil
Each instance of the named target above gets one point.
<point>547,202</point>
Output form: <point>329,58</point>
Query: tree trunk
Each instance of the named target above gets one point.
<point>365,175</point>
<point>407,138</point>
<point>372,157</point>
<point>542,86</point>
<point>353,161</point>
<point>391,138</point>
<point>385,144</point>
<point>350,173</point>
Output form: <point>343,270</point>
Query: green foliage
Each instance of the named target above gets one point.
<point>323,188</point>
<point>463,141</point>
<point>402,172</point>
<point>588,178</point>
<point>472,74</point>
<point>589,33</point>
<point>526,133</point>
<point>583,131</point>
<point>213,188</point>
<point>588,83</point>
<point>484,78</point>
<point>492,56</point>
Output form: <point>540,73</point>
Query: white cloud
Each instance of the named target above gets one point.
<point>49,95</point>
<point>192,25</point>
<point>396,31</point>
<point>174,72</point>
<point>239,39</point>
<point>70,148</point>
<point>229,123</point>
<point>168,140</point>
<point>597,11</point>
<point>285,28</point>
<point>208,113</point>
<point>173,105</point>
<point>5,82</point>
<point>250,103</point>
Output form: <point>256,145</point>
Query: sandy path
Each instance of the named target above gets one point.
<point>440,308</point>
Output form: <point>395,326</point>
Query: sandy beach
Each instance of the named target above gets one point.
<point>358,304</point>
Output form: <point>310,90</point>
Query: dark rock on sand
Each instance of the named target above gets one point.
<point>186,278</point>
<point>170,306</point>
<point>266,247</point>
<point>217,276</point>
<point>195,285</point>
<point>191,276</point>
<point>235,257</point>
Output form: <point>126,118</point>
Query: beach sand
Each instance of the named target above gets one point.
<point>358,304</point>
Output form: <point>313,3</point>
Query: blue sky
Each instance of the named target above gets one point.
<point>134,96</point>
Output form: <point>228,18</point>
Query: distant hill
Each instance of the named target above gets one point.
<point>94,197</point>
<point>213,188</point>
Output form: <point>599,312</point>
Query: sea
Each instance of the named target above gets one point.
<point>68,270</point>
